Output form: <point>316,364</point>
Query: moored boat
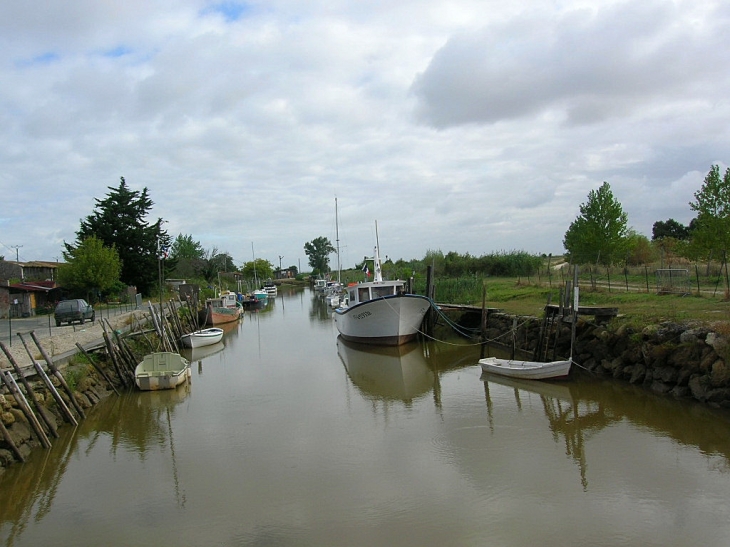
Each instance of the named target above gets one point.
<point>381,312</point>
<point>200,338</point>
<point>162,370</point>
<point>526,370</point>
<point>270,288</point>
<point>224,309</point>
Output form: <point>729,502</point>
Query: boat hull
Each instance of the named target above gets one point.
<point>200,338</point>
<point>162,370</point>
<point>387,321</point>
<point>218,316</point>
<point>526,370</point>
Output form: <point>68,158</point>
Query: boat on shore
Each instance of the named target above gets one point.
<point>162,370</point>
<point>380,312</point>
<point>203,337</point>
<point>526,370</point>
<point>224,309</point>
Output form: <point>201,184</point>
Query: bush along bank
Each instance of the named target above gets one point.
<point>681,360</point>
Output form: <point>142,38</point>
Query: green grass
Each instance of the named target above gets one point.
<point>520,297</point>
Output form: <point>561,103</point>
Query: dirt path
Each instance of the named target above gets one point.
<point>60,344</point>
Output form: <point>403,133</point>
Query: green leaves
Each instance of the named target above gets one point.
<point>711,233</point>
<point>599,234</point>
<point>318,250</point>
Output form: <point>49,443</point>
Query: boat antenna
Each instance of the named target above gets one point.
<point>378,273</point>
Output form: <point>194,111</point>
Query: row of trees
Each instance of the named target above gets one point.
<point>600,234</point>
<point>117,245</point>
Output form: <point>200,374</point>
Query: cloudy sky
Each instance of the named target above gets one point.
<point>473,126</point>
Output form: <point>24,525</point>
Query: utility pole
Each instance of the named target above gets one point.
<point>16,247</point>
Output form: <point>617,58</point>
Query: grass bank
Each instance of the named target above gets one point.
<point>522,296</point>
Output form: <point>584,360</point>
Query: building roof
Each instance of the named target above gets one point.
<point>34,286</point>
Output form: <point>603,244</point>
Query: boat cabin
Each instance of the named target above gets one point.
<point>368,291</point>
<point>227,299</point>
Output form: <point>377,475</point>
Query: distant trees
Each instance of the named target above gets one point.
<point>120,221</point>
<point>90,268</point>
<point>318,251</point>
<point>670,228</point>
<point>599,233</point>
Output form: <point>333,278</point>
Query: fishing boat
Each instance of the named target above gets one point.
<point>270,288</point>
<point>200,338</point>
<point>526,370</point>
<point>380,312</point>
<point>224,309</point>
<point>162,370</point>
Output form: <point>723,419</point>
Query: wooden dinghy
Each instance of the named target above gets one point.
<point>162,370</point>
<point>526,370</point>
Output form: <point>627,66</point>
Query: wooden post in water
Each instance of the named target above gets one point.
<point>9,440</point>
<point>49,385</point>
<point>50,424</point>
<point>57,373</point>
<point>97,367</point>
<point>25,408</point>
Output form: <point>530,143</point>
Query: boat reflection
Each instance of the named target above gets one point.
<point>387,372</point>
<point>198,354</point>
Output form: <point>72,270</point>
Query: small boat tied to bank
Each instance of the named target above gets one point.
<point>204,337</point>
<point>535,370</point>
<point>162,370</point>
<point>526,370</point>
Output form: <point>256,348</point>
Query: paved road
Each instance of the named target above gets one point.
<point>45,326</point>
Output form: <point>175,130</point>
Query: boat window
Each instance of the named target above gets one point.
<point>363,294</point>
<point>382,291</point>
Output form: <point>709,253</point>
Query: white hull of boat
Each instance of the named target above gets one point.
<point>387,321</point>
<point>200,338</point>
<point>526,370</point>
<point>162,370</point>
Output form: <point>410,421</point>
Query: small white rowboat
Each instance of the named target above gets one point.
<point>527,370</point>
<point>200,338</point>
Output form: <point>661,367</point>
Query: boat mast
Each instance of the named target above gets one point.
<point>255,277</point>
<point>378,277</point>
<point>337,236</point>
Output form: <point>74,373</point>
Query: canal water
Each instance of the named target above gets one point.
<point>287,436</point>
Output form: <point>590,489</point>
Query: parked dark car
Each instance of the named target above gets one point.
<point>68,311</point>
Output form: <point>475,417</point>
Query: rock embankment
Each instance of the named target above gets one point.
<point>682,360</point>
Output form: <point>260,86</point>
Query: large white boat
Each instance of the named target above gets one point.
<point>381,312</point>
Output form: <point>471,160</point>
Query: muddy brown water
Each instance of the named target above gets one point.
<point>288,436</point>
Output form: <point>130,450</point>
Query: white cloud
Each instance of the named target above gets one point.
<point>457,125</point>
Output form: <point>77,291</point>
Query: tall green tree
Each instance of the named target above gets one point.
<point>260,269</point>
<point>90,268</point>
<point>710,235</point>
<point>318,251</point>
<point>120,221</point>
<point>185,247</point>
<point>599,233</point>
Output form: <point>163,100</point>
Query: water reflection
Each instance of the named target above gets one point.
<point>383,372</point>
<point>134,422</point>
<point>580,408</point>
